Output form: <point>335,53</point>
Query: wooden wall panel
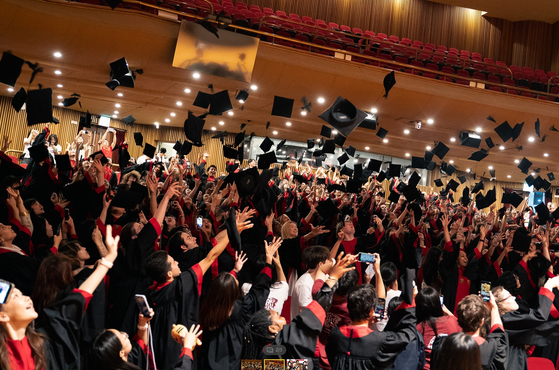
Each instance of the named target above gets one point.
<point>526,43</point>
<point>14,125</point>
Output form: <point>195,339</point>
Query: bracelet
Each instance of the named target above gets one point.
<point>332,278</point>
<point>106,263</point>
<point>145,327</point>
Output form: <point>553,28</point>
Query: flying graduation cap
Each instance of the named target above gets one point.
<point>193,127</point>
<point>388,82</point>
<point>440,150</point>
<point>120,75</point>
<point>343,116</point>
<point>282,107</point>
<point>10,68</point>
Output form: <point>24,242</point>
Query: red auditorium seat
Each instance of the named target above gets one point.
<point>492,78</point>
<point>492,70</point>
<point>463,82</point>
<point>527,94</point>
<point>344,28</point>
<point>357,31</point>
<point>92,2</point>
<point>418,43</point>
<point>333,26</point>
<point>539,363</point>
<point>464,53</point>
<point>432,66</point>
<point>268,11</point>
<point>319,21</point>
<point>518,75</point>
<point>512,91</point>
<point>543,97</point>
<point>405,41</point>
<point>429,75</point>
<point>306,18</point>
<point>453,51</point>
<point>554,90</point>
<point>429,46</point>
<point>400,59</point>
<point>394,39</point>
<point>551,74</point>
<point>335,45</point>
<point>452,61</point>
<point>369,33</point>
<point>447,69</point>
<point>495,88</point>
<point>417,63</point>
<point>462,73</point>
<point>382,36</point>
<point>441,47</point>
<point>479,76</point>
<point>352,49</point>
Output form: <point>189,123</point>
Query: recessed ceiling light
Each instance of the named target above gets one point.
<point>60,104</point>
<point>221,123</point>
<point>428,147</point>
<point>115,116</point>
<point>230,113</point>
<point>275,132</point>
<point>179,103</point>
<point>502,147</point>
<point>407,154</point>
<point>303,112</point>
<point>60,97</point>
<point>241,101</point>
<point>334,132</point>
<point>545,154</point>
<point>57,54</point>
<point>157,125</point>
<point>59,86</point>
<point>117,105</point>
<point>478,129</point>
<point>451,161</point>
<point>430,121</point>
<point>468,170</point>
<point>321,100</point>
<point>120,94</point>
<point>533,174</point>
<point>173,114</point>
<point>406,132</point>
<point>288,123</point>
<point>453,139</point>
<point>57,72</point>
<point>490,167</point>
<point>167,120</point>
<point>531,139</point>
<point>367,148</point>
<point>115,112</point>
<point>374,110</point>
<point>253,87</point>
<point>384,140</point>
<point>213,128</point>
<point>187,91</point>
<point>10,89</point>
<point>509,176</point>
<point>516,161</point>
<point>196,75</point>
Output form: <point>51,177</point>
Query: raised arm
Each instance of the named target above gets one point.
<point>174,190</point>
<point>103,267</point>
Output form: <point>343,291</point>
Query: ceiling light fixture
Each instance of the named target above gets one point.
<point>60,104</point>
<point>230,113</point>
<point>221,123</point>
<point>120,94</point>
<point>478,129</point>
<point>428,147</point>
<point>545,154</point>
<point>516,161</point>
<point>407,154</point>
<point>196,75</point>
<point>406,132</point>
<point>213,128</point>
<point>115,112</point>
<point>115,116</point>
<point>288,123</point>
<point>157,125</point>
<point>468,170</point>
<point>334,132</point>
<point>490,167</point>
<point>10,89</point>
<point>374,110</point>
<point>367,148</point>
<point>502,147</point>
<point>60,97</point>
<point>531,139</point>
<point>117,105</point>
<point>509,176</point>
<point>385,141</point>
<point>451,161</point>
<point>430,121</point>
<point>187,91</point>
<point>173,114</point>
<point>303,112</point>
<point>59,86</point>
<point>452,139</point>
<point>253,87</point>
<point>275,132</point>
<point>167,120</point>
<point>57,54</point>
<point>57,72</point>
<point>320,100</point>
<point>179,103</point>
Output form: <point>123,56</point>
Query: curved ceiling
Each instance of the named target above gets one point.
<point>90,37</point>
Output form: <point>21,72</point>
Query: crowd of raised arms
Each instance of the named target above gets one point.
<point>231,264</point>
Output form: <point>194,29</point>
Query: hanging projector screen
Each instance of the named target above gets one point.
<point>232,55</point>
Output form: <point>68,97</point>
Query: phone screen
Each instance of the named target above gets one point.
<point>199,222</point>
<point>441,298</point>
<point>485,290</point>
<point>379,309</point>
<point>142,302</point>
<point>5,288</point>
<point>367,257</point>
<point>66,213</point>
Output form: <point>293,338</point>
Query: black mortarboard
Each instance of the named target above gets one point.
<point>479,186</point>
<point>327,208</point>
<point>491,197</point>
<point>265,160</point>
<point>310,143</point>
<point>388,82</point>
<point>19,99</point>
<point>343,158</point>
<point>489,142</point>
<point>538,183</point>
<point>511,198</point>
<point>492,173</point>
<point>543,214</point>
<point>517,130</point>
<point>229,152</point>
<point>282,107</point>
<point>281,144</point>
<point>141,190</point>
<point>357,171</point>
<point>418,162</point>
<point>186,148</point>
<point>300,178</point>
<point>411,193</point>
<point>232,231</point>
<point>449,169</point>
<point>343,116</point>
<point>465,196</point>
<point>246,181</point>
<point>266,144</point>
<point>139,138</point>
<point>193,127</point>
<point>524,165</point>
<point>329,147</point>
<point>220,103</point>
<point>546,184</point>
<point>462,179</point>
<point>452,184</point>
<point>354,186</point>
<point>504,131</point>
<point>431,166</point>
<point>99,155</point>
<point>551,176</point>
<point>416,208</point>
<point>239,138</point>
<point>438,182</point>
<point>521,240</point>
<point>129,120</point>
<point>394,197</point>
<point>538,127</point>
<point>149,150</point>
<point>374,165</point>
<point>350,151</point>
<point>414,179</point>
<point>381,176</point>
<point>339,139</point>
<point>39,106</point>
<point>529,180</point>
<point>346,171</point>
<point>326,131</point>
<point>85,121</point>
<point>394,170</point>
<point>10,68</point>
<point>440,150</point>
<point>202,100</point>
<point>317,153</point>
<point>382,133</point>
<point>177,146</point>
<point>39,153</point>
<point>428,156</point>
<point>491,119</point>
<point>479,155</point>
<point>63,162</point>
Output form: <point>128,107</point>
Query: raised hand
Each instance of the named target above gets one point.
<point>173,191</point>
<point>341,266</point>
<point>272,248</point>
<point>240,259</point>
<point>315,231</point>
<point>245,215</point>
<point>111,244</point>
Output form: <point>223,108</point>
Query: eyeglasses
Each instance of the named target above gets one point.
<point>503,299</point>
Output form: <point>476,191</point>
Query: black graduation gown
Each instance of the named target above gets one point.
<point>222,348</point>
<point>128,278</point>
<point>494,349</point>
<point>359,348</point>
<point>94,319</point>
<point>138,356</point>
<point>174,303</point>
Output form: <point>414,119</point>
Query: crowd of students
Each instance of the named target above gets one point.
<point>287,256</point>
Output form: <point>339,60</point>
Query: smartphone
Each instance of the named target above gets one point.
<point>485,290</point>
<point>58,230</point>
<point>367,257</point>
<point>66,213</point>
<point>379,309</point>
<point>199,222</point>
<point>188,163</point>
<point>441,298</point>
<point>142,302</point>
<point>5,289</point>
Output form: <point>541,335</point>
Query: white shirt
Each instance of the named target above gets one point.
<point>302,294</point>
<point>26,148</point>
<point>277,297</point>
<point>381,324</point>
<point>142,159</point>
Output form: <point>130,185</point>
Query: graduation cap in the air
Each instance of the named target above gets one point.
<point>129,120</point>
<point>388,82</point>
<point>345,170</point>
<point>63,162</point>
<point>246,181</point>
<point>543,214</point>
<point>492,173</point>
<point>281,144</point>
<point>202,100</point>
<point>439,183</point>
<point>381,132</point>
<point>440,150</point>
<point>479,186</point>
<point>343,116</point>
<point>452,184</point>
<point>511,198</point>
<point>343,158</point>
<point>220,103</point>
<point>10,68</point>
<point>19,99</point>
<point>490,197</point>
<point>239,138</point>
<point>540,183</point>
<point>462,179</point>
<point>350,151</point>
<point>329,147</point>
<point>428,156</point>
<point>327,208</point>
<point>394,170</point>
<point>524,165</point>
<point>73,99</point>
<point>229,152</point>
<point>326,131</point>
<point>357,171</point>
<point>177,146</point>
<point>121,75</point>
<point>232,231</point>
<point>489,142</point>
<point>85,121</point>
<point>265,160</point>
<point>447,168</point>
<point>551,176</point>
<point>100,156</point>
<point>39,106</point>
<point>339,139</point>
<point>310,143</point>
<point>300,178</point>
<point>521,240</point>
<point>354,186</point>
<point>374,165</point>
<point>283,107</point>
<point>418,162</point>
<point>479,155</point>
<point>39,153</point>
<point>381,176</point>
<point>537,127</point>
<point>318,155</point>
<point>517,130</point>
<point>504,131</point>
<point>266,144</point>
<point>394,197</point>
<point>414,179</point>
<point>465,196</point>
<point>138,138</point>
<point>411,193</point>
<point>530,180</point>
<point>416,208</point>
<point>149,150</point>
<point>193,127</point>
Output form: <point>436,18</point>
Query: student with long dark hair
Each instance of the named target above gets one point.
<point>459,351</point>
